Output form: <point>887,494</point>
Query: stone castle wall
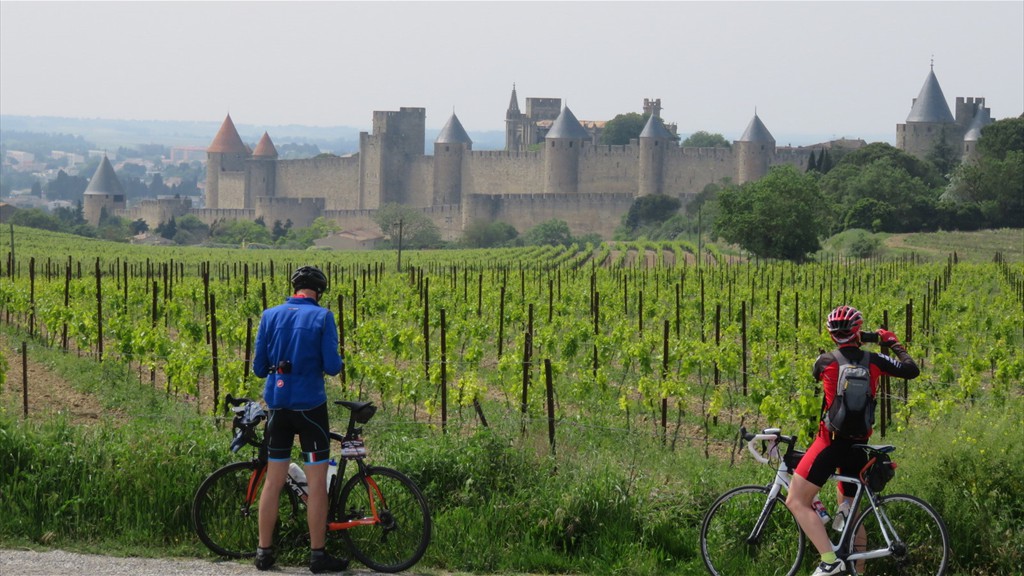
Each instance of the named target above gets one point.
<point>497,173</point>
<point>231,190</point>
<point>332,178</point>
<point>584,213</point>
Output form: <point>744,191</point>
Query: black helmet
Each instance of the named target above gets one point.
<point>309,277</point>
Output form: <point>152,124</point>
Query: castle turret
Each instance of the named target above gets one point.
<point>654,139</point>
<point>226,157</point>
<point>754,150</point>
<point>262,175</point>
<point>449,147</point>
<point>982,118</point>
<point>928,121</point>
<point>562,147</point>
<point>104,193</point>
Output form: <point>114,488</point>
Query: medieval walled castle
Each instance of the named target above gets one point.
<point>552,167</point>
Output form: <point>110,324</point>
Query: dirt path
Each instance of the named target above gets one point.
<point>48,392</point>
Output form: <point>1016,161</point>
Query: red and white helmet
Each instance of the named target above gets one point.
<point>844,324</point>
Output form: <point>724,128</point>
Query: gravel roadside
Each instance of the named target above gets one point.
<point>61,563</point>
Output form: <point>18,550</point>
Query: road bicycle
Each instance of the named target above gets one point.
<point>379,514</point>
<point>749,530</point>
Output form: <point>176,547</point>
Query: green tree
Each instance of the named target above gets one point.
<point>36,218</point>
<point>702,139</point>
<point>1001,137</point>
<point>417,229</point>
<point>942,155</point>
<point>480,234</point>
<point>240,232</point>
<point>66,187</point>
<point>624,127</point>
<point>881,196</point>
<point>320,228</point>
<point>138,227</point>
<point>646,214</point>
<point>778,216</point>
<point>167,229</point>
<point>554,232</point>
<point>812,164</point>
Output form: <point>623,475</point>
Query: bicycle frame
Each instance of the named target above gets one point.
<point>781,482</point>
<point>259,474</point>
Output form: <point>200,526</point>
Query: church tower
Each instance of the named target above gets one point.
<point>562,148</point>
<point>515,129</point>
<point>449,147</point>
<point>754,150</point>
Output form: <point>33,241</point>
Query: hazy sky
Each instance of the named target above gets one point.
<point>834,68</point>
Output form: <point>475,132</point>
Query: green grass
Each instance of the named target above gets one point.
<point>609,501</point>
<point>981,246</point>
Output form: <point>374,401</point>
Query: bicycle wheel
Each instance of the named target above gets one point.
<point>730,546</point>
<point>227,524</point>
<point>920,543</point>
<point>401,536</point>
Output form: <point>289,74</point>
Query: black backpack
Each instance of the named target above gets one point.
<point>852,413</point>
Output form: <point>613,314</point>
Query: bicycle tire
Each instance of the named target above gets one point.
<point>728,524</point>
<point>922,546</point>
<point>401,538</point>
<point>229,527</point>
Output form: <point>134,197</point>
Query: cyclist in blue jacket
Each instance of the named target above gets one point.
<point>297,342</point>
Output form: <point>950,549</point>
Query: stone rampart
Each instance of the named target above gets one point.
<point>301,211</point>
<point>584,213</point>
<point>497,173</point>
<point>333,178</point>
<point>210,215</point>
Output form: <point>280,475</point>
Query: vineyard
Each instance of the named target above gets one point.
<point>644,339</point>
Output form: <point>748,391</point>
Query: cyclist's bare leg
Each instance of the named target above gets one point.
<point>269,500</point>
<point>801,495</point>
<point>316,504</point>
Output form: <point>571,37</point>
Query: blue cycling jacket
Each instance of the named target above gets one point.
<point>303,333</point>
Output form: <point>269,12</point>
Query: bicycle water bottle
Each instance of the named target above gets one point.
<point>298,478</point>
<point>332,472</point>
<point>821,510</point>
<point>841,516</point>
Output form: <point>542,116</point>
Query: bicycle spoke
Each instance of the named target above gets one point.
<point>921,545</point>
<point>726,543</point>
<point>399,538</point>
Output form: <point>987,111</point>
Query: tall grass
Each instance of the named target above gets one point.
<point>609,501</point>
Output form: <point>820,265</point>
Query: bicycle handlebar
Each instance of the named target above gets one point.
<point>773,435</point>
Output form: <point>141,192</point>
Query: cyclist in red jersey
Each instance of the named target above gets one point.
<point>828,452</point>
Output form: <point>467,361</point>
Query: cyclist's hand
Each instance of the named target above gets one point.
<point>886,338</point>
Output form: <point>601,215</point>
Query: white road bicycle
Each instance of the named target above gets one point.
<point>750,531</point>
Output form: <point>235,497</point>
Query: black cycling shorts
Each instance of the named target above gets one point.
<point>312,428</point>
<point>824,457</point>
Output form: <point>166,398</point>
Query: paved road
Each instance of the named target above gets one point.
<point>61,563</point>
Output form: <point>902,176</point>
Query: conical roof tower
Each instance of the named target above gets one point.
<point>930,105</point>
<point>567,127</point>
<point>265,148</point>
<point>756,132</point>
<point>655,129</point>
<point>104,180</point>
<point>453,133</point>
<point>227,140</point>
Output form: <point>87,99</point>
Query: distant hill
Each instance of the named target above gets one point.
<point>105,133</point>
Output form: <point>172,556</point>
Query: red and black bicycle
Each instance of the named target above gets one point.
<point>378,513</point>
